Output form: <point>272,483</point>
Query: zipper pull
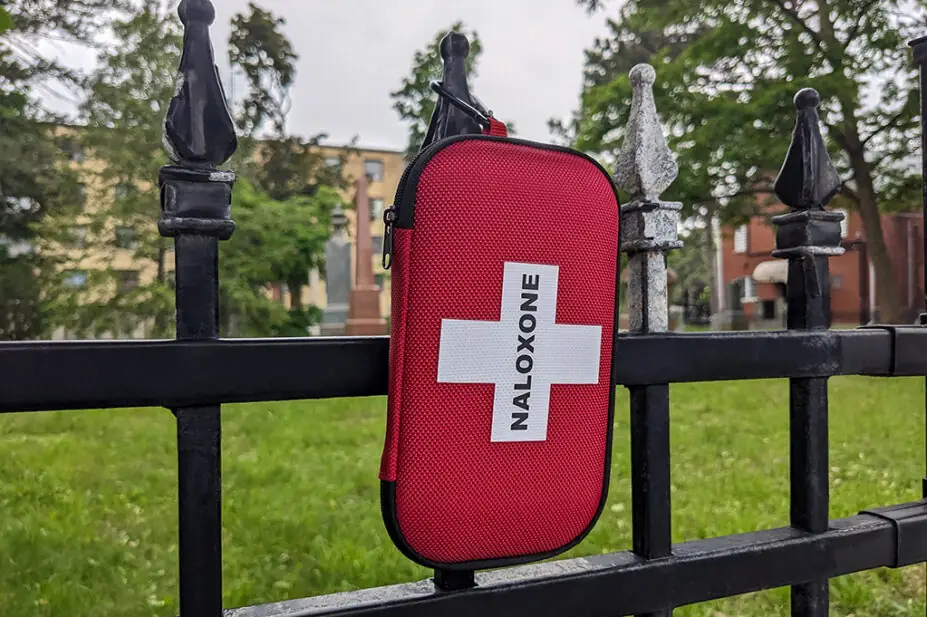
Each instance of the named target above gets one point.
<point>389,219</point>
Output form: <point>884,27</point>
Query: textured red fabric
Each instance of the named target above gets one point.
<point>496,129</point>
<point>459,496</point>
<point>400,272</point>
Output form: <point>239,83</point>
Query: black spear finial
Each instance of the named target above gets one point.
<point>199,136</point>
<point>808,179</point>
<point>198,128</point>
<point>447,119</point>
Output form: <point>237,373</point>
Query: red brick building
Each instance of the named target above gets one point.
<point>754,281</point>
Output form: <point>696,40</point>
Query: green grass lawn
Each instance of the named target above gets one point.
<point>88,506</point>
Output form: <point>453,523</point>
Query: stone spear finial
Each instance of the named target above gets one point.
<point>808,179</point>
<point>646,165</point>
<point>198,128</point>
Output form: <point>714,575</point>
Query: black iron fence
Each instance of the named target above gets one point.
<point>197,373</point>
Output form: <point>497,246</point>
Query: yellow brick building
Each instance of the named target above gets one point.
<point>383,169</point>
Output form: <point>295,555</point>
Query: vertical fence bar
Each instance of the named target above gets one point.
<point>920,58</point>
<point>807,237</point>
<point>646,167</point>
<point>195,211</point>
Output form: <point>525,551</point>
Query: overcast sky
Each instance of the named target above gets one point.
<point>352,53</point>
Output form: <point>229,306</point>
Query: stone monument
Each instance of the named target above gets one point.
<point>364,318</point>
<point>338,276</point>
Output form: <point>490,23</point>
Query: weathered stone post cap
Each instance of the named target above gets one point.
<point>646,166</point>
<point>643,74</point>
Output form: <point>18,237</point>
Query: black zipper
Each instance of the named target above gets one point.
<point>402,214</point>
<point>391,214</point>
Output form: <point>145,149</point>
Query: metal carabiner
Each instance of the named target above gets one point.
<point>467,108</point>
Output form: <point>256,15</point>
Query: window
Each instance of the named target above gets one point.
<point>374,170</point>
<point>749,289</point>
<point>836,282</point>
<point>740,239</point>
<point>78,236</point>
<point>376,209</point>
<point>332,161</point>
<point>72,150</point>
<point>126,238</point>
<point>845,223</point>
<point>377,245</point>
<point>76,279</point>
<point>768,309</point>
<point>380,280</point>
<point>126,281</point>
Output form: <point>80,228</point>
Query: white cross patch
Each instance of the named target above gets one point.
<point>523,354</point>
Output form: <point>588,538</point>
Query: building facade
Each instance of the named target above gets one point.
<point>383,169</point>
<point>753,281</point>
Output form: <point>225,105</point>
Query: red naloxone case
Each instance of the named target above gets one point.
<point>504,261</point>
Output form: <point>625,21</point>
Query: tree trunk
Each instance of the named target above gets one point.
<point>886,285</point>
<point>160,328</point>
<point>296,295</point>
<point>849,139</point>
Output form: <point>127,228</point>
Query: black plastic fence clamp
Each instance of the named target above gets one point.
<point>454,580</point>
<point>910,532</point>
<point>908,344</point>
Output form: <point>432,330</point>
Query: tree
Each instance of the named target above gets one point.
<point>34,175</point>
<point>692,264</point>
<point>120,247</point>
<point>6,22</point>
<point>727,75</point>
<point>273,239</point>
<point>288,168</point>
<point>265,55</point>
<point>414,100</point>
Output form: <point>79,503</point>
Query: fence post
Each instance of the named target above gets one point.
<point>920,58</point>
<point>807,236</point>
<point>195,210</point>
<point>447,120</point>
<point>646,167</point>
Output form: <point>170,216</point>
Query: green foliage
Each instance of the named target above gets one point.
<point>287,169</point>
<point>93,495</point>
<point>692,263</point>
<point>34,177</point>
<point>414,100</point>
<point>6,21</point>
<point>727,73</point>
<point>275,241</point>
<point>76,19</point>
<point>288,166</point>
<point>124,111</point>
<point>726,77</point>
<point>265,55</point>
<point>21,307</point>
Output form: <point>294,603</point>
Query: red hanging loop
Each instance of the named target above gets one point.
<point>496,128</point>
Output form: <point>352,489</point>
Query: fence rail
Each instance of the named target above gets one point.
<point>111,374</point>
<point>624,584</point>
<point>197,373</point>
